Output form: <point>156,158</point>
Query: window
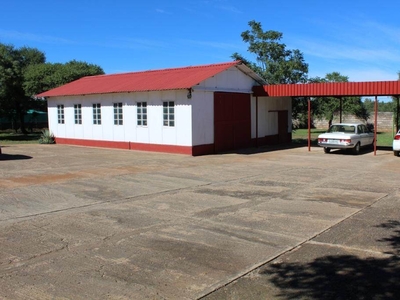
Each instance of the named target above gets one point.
<point>97,114</point>
<point>78,113</point>
<point>118,114</point>
<point>60,114</point>
<point>142,113</point>
<point>362,129</point>
<point>169,113</point>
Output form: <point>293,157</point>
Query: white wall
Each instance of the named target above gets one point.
<point>154,132</point>
<point>203,117</point>
<point>267,118</point>
<point>232,80</point>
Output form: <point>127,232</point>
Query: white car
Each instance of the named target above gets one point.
<point>346,136</point>
<point>396,144</point>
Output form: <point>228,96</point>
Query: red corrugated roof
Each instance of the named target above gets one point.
<point>156,80</point>
<point>332,89</point>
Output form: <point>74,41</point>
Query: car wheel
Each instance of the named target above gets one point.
<point>327,150</point>
<point>396,153</point>
<point>356,149</point>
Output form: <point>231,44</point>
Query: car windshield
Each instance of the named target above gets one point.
<point>342,128</point>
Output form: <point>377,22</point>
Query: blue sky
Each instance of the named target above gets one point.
<point>359,39</point>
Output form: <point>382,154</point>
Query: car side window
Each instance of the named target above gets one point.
<point>360,129</point>
<point>333,128</point>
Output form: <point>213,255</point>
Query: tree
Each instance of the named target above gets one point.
<point>275,63</point>
<point>328,107</point>
<point>25,73</point>
<point>43,77</point>
<point>13,63</point>
<point>390,106</point>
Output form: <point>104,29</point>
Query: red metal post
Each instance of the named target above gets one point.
<point>257,121</point>
<point>309,124</point>
<point>376,122</point>
<point>397,114</point>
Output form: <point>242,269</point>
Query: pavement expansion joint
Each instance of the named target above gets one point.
<point>288,250</point>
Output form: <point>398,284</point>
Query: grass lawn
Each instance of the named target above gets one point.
<point>384,139</point>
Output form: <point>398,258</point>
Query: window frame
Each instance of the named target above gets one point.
<point>96,109</point>
<point>141,114</point>
<point>169,113</point>
<point>118,113</point>
<point>60,114</point>
<point>78,114</point>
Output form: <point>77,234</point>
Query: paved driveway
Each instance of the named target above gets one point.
<point>87,223</point>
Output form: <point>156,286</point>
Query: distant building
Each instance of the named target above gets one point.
<point>191,110</point>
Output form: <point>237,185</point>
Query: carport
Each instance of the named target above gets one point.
<point>334,89</point>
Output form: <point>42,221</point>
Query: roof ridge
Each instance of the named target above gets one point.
<point>236,62</point>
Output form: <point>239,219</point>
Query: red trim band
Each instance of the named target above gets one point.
<point>188,150</point>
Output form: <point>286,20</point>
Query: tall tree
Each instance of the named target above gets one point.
<point>43,77</point>
<point>13,63</point>
<point>328,107</point>
<point>383,106</point>
<point>274,62</point>
<point>24,73</point>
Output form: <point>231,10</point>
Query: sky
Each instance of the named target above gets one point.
<point>358,39</point>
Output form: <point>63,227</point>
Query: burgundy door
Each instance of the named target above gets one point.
<point>232,121</point>
<point>283,136</point>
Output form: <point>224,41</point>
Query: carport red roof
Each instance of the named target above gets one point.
<point>156,80</point>
<point>330,89</point>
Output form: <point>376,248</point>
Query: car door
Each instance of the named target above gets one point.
<point>365,138</point>
<point>369,134</point>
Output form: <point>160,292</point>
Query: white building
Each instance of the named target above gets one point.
<point>191,110</point>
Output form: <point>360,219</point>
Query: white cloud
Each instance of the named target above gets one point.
<point>161,11</point>
<point>209,9</point>
<point>212,44</point>
<point>384,31</point>
<point>136,43</point>
<point>16,35</point>
<point>369,75</point>
<point>353,39</point>
<point>331,50</point>
<point>229,8</point>
<point>354,72</point>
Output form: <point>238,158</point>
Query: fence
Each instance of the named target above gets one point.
<point>385,121</point>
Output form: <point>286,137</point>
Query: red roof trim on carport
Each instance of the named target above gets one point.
<point>330,89</point>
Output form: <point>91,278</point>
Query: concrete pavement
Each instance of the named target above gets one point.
<point>87,223</point>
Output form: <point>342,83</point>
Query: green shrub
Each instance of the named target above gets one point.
<point>47,137</point>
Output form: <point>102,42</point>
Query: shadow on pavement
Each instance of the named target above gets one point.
<point>300,144</point>
<point>14,156</point>
<point>266,148</point>
<point>362,150</point>
<point>338,277</point>
<point>341,276</point>
<point>394,240</point>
